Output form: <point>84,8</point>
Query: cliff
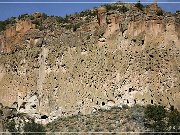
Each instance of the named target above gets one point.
<point>111,59</point>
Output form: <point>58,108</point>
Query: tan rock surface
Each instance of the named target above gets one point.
<point>137,63</point>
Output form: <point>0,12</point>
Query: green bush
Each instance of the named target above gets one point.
<point>76,26</point>
<point>155,112</point>
<point>137,112</point>
<point>59,19</point>
<point>139,5</point>
<point>123,9</point>
<point>39,24</point>
<point>155,117</point>
<point>174,120</point>
<point>44,16</point>
<point>87,13</point>
<point>34,127</point>
<point>111,7</point>
<point>178,11</point>
<point>160,13</point>
<point>10,125</point>
<point>23,16</point>
<point>3,24</point>
<point>124,106</point>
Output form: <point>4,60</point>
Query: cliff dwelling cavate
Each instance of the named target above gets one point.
<point>84,63</point>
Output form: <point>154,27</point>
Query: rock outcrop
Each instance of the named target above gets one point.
<point>14,35</point>
<point>133,60</point>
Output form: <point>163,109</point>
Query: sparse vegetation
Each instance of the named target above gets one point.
<point>74,27</point>
<point>123,9</point>
<point>23,16</point>
<point>160,13</point>
<point>111,7</point>
<point>11,126</point>
<point>173,120</point>
<point>3,24</point>
<point>34,127</point>
<point>87,13</point>
<point>139,5</point>
<point>159,119</point>
<point>155,117</point>
<point>178,11</point>
<point>110,120</point>
<point>120,8</point>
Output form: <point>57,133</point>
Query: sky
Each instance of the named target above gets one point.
<point>8,9</point>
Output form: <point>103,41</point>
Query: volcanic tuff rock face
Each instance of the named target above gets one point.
<point>114,59</point>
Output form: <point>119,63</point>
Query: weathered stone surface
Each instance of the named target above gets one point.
<point>14,35</point>
<point>68,72</point>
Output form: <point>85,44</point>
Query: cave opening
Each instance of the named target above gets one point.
<point>103,103</point>
<point>44,117</point>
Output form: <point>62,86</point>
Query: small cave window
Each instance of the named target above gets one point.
<point>44,117</point>
<point>33,106</point>
<point>151,101</point>
<point>172,108</point>
<point>22,105</point>
<point>142,42</point>
<point>103,103</point>
<point>151,56</point>
<point>134,40</point>
<point>130,89</point>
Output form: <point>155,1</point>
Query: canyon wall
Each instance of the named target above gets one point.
<point>133,60</point>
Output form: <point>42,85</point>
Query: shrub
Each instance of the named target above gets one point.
<point>76,26</point>
<point>34,127</point>
<point>111,7</point>
<point>123,9</point>
<point>137,113</point>
<point>59,19</point>
<point>155,115</point>
<point>174,119</point>
<point>31,17</point>
<point>155,112</point>
<point>139,5</point>
<point>160,13</point>
<point>44,16</point>
<point>39,25</point>
<point>178,11</point>
<point>69,26</point>
<point>11,126</point>
<point>23,16</point>
<point>87,13</point>
<point>3,24</point>
<point>124,106</point>
<point>65,19</point>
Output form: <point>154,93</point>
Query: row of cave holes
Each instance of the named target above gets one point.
<point>103,103</point>
<point>152,102</point>
<point>142,41</point>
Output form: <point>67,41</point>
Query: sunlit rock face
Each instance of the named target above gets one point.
<point>114,59</point>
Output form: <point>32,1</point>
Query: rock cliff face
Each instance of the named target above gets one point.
<point>115,59</point>
<point>13,36</point>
